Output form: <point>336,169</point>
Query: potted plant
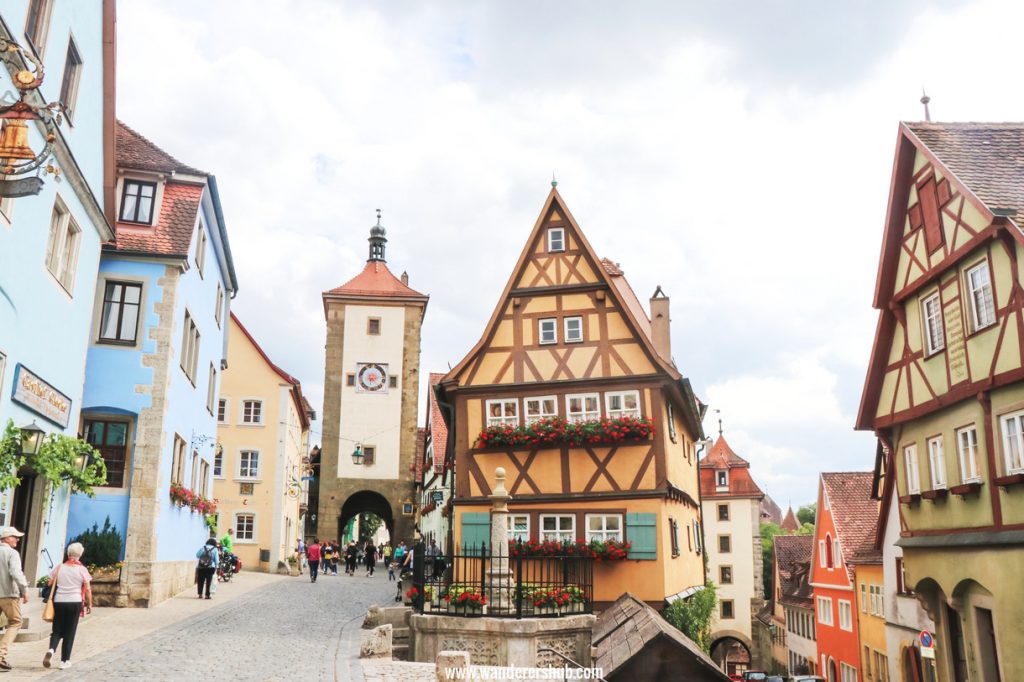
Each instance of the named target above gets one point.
<point>577,599</point>
<point>42,584</point>
<point>413,597</point>
<point>465,600</point>
<point>293,566</point>
<point>546,601</point>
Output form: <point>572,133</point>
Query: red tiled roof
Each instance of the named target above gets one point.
<point>136,152</point>
<point>438,429</point>
<point>621,284</point>
<point>986,157</point>
<point>790,523</point>
<point>854,514</point>
<point>375,280</point>
<point>172,234</point>
<point>722,457</point>
<point>793,555</point>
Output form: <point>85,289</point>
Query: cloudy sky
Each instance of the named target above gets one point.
<point>736,153</point>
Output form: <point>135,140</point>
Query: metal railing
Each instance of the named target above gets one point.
<point>478,583</point>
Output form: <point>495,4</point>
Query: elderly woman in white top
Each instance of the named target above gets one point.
<point>71,597</point>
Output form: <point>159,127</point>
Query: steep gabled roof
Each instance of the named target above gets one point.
<point>854,514</point>
<point>138,153</point>
<point>793,555</point>
<point>741,484</point>
<point>722,456</point>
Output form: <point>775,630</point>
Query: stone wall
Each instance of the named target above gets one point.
<point>144,584</point>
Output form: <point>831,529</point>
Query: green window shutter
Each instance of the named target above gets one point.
<point>476,530</point>
<point>642,534</point>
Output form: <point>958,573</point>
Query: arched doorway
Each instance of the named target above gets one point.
<point>366,502</point>
<point>731,654</point>
<point>833,673</point>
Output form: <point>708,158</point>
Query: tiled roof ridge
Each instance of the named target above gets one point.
<point>375,279</point>
<point>1008,125</point>
<point>175,164</point>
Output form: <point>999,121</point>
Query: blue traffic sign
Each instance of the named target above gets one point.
<point>926,639</point>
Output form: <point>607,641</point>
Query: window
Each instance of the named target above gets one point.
<point>178,460</point>
<point>829,549</point>
<point>502,413</point>
<point>935,335</point>
<point>69,85</point>
<point>393,381</point>
<point>119,319</point>
<point>211,389</point>
<point>622,404</point>
<point>901,578</point>
<point>218,305</point>
<point>190,348</point>
<point>556,239</point>
<point>222,411</point>
<point>863,598</point>
<point>547,330</point>
<point>604,527</point>
<point>723,512</point>
<point>825,610</point>
<point>583,407</point>
<point>726,609</point>
<point>1013,442</point>
<point>245,527</point>
<point>672,427</point>
<point>518,526</point>
<point>697,536</point>
<point>867,661</point>
<point>249,464</point>
<point>194,481</point>
<point>980,284</point>
<point>837,553</point>
<point>559,528</point>
<point>62,246</point>
<point>967,445</point>
<point>111,439</point>
<point>38,23</point>
<point>724,544</point>
<point>722,478</point>
<point>137,199</point>
<point>673,527</point>
<point>218,462</point>
<point>877,601</point>
<point>937,463</point>
<point>252,411</point>
<point>201,248</point>
<point>881,667</point>
<point>845,615</point>
<point>540,408</point>
<point>847,673</point>
<point>573,329</point>
<point>350,379</point>
<point>913,476</point>
<point>373,326</point>
<point>725,575</point>
<point>369,455</point>
<point>204,478</point>
<point>821,553</point>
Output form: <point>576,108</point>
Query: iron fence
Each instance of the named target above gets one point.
<point>479,583</point>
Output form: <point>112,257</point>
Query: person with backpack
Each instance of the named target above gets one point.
<point>206,568</point>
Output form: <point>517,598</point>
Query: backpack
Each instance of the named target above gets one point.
<point>206,560</point>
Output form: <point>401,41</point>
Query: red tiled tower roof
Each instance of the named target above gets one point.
<point>854,514</point>
<point>375,280</point>
<point>740,483</point>
<point>789,523</point>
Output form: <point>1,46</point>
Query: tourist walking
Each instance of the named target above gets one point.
<point>350,557</point>
<point>13,589</point>
<point>335,557</point>
<point>72,598</point>
<point>325,557</point>
<point>370,558</point>
<point>206,567</point>
<point>300,554</point>
<point>313,559</point>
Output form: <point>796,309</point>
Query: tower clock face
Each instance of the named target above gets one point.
<point>372,377</point>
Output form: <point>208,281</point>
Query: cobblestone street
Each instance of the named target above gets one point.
<point>286,630</point>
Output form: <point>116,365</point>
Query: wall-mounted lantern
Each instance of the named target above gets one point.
<point>31,439</point>
<point>357,455</point>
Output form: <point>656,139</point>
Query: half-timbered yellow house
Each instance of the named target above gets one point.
<point>945,390</point>
<point>570,345</point>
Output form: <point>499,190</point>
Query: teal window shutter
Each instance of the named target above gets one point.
<point>642,535</point>
<point>476,530</point>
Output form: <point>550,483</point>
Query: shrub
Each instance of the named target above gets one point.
<point>692,616</point>
<point>102,547</point>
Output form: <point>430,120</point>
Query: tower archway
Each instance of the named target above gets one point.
<point>732,653</point>
<point>367,501</point>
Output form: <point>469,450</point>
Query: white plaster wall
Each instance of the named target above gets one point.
<point>371,418</point>
<point>806,647</point>
<point>743,525</point>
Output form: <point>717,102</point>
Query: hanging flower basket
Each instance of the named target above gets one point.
<point>183,497</point>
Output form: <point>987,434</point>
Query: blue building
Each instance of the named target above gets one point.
<point>157,346</point>
<point>50,246</point>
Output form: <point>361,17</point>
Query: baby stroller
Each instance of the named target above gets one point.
<point>404,576</point>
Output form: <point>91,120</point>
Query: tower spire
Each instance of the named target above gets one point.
<point>924,100</point>
<point>377,241</point>
<point>719,413</point>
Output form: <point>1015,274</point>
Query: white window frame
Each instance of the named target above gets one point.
<point>721,479</point>
<point>967,449</point>
<point>510,527</point>
<point>223,402</point>
<point>568,335</point>
<point>837,556</point>
<point>200,257</point>
<point>218,454</point>
<point>550,335</point>
<point>937,341</point>
<point>552,239</point>
<point>821,553</point>
<point>248,476</point>
<point>190,338</point>
<point>72,76</point>
<point>561,534</point>
<point>985,315</point>
<point>847,673</point>
<point>1013,442</point>
<point>584,414</point>
<point>242,421</point>
<point>239,538</point>
<point>864,598</point>
<point>937,463</point>
<point>218,312</point>
<point>622,411</point>
<point>824,606</point>
<point>506,418</point>
<point>62,246</point>
<point>845,615</point>
<point>913,473</point>
<point>541,412</point>
<point>604,533</point>
<point>211,390</point>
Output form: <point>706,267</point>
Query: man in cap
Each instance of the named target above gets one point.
<point>13,586</point>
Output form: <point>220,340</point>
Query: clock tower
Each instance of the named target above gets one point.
<point>371,387</point>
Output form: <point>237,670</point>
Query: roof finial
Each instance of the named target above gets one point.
<point>377,241</point>
<point>719,413</point>
<point>924,100</point>
<point>554,183</point>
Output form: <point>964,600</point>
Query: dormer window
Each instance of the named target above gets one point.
<point>137,202</point>
<point>556,239</point>
<point>722,478</point>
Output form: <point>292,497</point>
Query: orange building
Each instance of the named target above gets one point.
<point>569,343</point>
<point>874,661</point>
<point>844,537</point>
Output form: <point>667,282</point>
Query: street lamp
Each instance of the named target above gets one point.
<point>357,455</point>
<point>31,439</point>
<point>82,461</point>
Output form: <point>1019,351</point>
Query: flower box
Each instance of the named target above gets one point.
<point>558,431</point>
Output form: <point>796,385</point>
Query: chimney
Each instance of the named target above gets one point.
<point>405,278</point>
<point>660,333</point>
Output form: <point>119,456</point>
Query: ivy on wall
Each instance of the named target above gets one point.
<point>56,462</point>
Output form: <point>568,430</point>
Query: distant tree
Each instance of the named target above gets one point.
<point>768,532</point>
<point>368,525</point>
<point>806,529</point>
<point>806,513</point>
<point>692,616</point>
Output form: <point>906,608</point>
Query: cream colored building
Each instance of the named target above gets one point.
<point>263,433</point>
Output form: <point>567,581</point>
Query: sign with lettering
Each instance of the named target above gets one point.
<point>40,397</point>
<point>956,346</point>
<point>437,495</point>
<point>22,187</point>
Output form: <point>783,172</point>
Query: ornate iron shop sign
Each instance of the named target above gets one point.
<point>40,397</point>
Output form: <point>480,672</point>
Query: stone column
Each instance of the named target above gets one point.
<point>499,577</point>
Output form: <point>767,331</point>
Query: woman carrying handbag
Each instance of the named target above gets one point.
<point>70,598</point>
